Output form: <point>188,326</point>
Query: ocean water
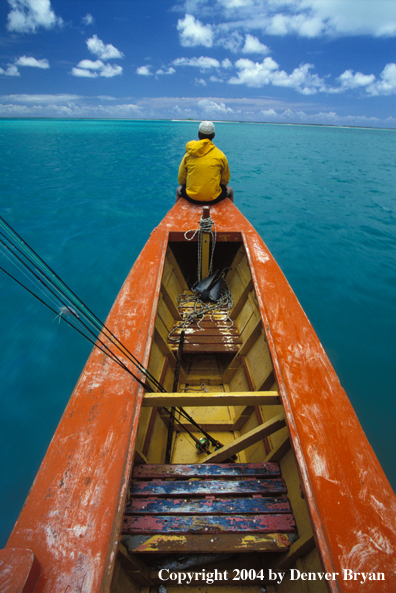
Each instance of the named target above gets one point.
<point>86,195</point>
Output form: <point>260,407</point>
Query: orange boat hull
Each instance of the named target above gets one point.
<point>72,517</point>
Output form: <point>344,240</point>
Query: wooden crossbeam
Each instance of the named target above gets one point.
<point>210,543</point>
<point>301,547</point>
<point>198,488</point>
<point>280,450</point>
<point>168,524</point>
<point>257,505</point>
<point>248,439</point>
<point>240,398</point>
<point>163,471</point>
<point>134,567</point>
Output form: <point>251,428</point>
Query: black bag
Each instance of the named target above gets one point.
<point>210,287</point>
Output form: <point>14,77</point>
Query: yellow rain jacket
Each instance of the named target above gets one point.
<point>203,168</point>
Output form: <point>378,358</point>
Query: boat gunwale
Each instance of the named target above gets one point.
<point>364,512</point>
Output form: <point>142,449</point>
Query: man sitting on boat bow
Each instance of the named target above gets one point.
<point>204,172</point>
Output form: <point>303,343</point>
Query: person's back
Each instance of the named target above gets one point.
<point>204,172</point>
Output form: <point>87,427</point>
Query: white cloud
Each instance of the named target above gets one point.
<point>300,24</point>
<point>144,71</point>
<point>193,32</point>
<point>304,18</point>
<point>226,63</point>
<point>25,98</point>
<point>268,112</point>
<point>330,118</point>
<point>203,62</point>
<point>230,40</point>
<point>29,61</point>
<point>249,109</point>
<point>104,52</point>
<point>168,71</point>
<point>89,64</point>
<point>88,19</point>
<point>12,70</point>
<point>387,84</point>
<point>212,107</point>
<point>83,73</point>
<point>255,74</point>
<point>62,106</point>
<point>349,80</point>
<point>89,69</point>
<point>200,82</point>
<point>254,46</point>
<point>26,16</point>
<point>110,70</point>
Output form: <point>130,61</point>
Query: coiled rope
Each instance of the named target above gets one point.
<point>224,303</point>
<point>205,226</point>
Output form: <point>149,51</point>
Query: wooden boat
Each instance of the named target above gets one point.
<point>294,499</point>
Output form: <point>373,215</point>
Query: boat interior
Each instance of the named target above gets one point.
<point>230,509</point>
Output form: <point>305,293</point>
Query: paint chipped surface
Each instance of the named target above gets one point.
<point>85,467</point>
<point>370,552</point>
<point>343,482</point>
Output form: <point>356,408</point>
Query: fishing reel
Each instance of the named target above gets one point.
<point>203,445</point>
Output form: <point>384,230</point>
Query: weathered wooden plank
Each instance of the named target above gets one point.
<point>280,450</point>
<point>301,547</point>
<point>152,524</point>
<point>215,323</point>
<point>134,566</point>
<point>241,398</point>
<point>213,332</point>
<point>251,437</point>
<point>205,338</point>
<point>176,269</point>
<point>210,543</point>
<point>194,348</point>
<point>274,486</point>
<point>169,302</point>
<point>161,471</point>
<point>221,237</point>
<point>207,506</point>
<point>140,457</point>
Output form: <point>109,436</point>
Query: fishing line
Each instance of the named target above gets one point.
<point>196,441</point>
<point>76,302</point>
<point>105,349</point>
<point>34,268</point>
<point>185,415</point>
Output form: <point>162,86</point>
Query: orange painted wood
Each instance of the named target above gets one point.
<point>19,571</point>
<point>73,514</point>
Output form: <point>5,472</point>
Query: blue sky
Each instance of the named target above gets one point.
<point>293,61</point>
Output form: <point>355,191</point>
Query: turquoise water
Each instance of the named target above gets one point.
<point>86,195</point>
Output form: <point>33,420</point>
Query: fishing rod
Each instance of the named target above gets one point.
<point>52,287</point>
<point>105,349</point>
<point>200,444</point>
<point>67,310</point>
<point>76,302</point>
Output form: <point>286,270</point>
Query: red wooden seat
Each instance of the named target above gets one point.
<point>208,508</point>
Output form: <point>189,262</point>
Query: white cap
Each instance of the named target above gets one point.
<point>206,127</point>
